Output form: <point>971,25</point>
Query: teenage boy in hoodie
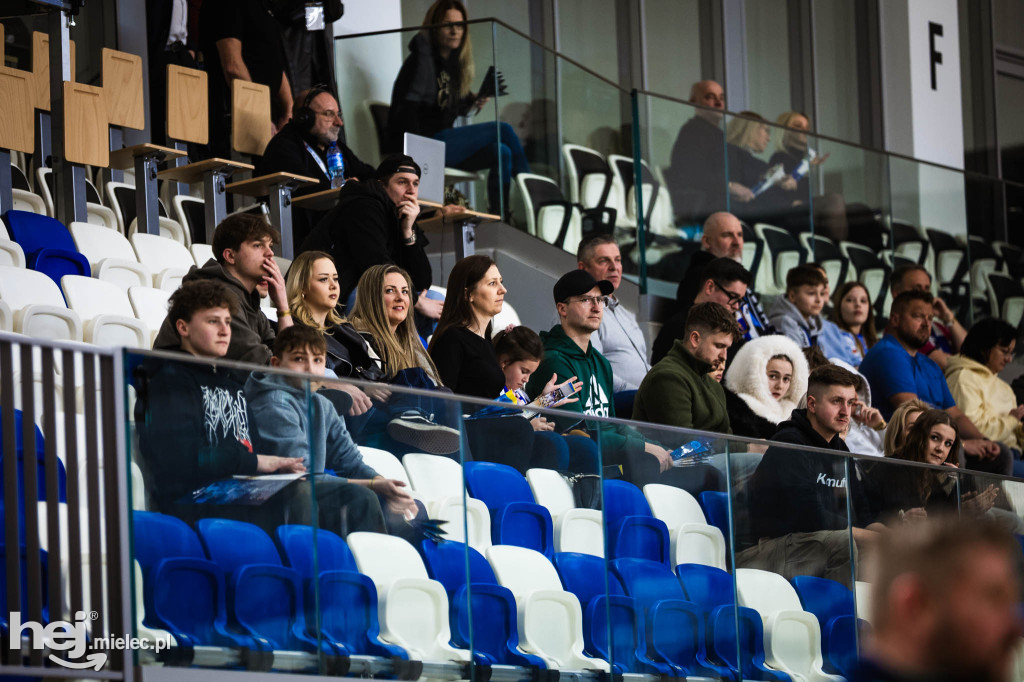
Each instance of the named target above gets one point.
<point>798,313</point>
<point>580,301</point>
<point>679,391</point>
<point>194,428</point>
<point>798,517</point>
<point>243,258</point>
<point>281,412</point>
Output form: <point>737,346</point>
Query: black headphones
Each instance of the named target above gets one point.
<point>303,116</point>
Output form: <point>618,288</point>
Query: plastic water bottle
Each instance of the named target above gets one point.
<point>335,166</point>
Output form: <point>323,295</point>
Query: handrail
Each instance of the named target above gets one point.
<point>670,98</point>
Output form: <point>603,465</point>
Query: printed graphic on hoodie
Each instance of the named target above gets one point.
<point>597,401</point>
<point>224,414</point>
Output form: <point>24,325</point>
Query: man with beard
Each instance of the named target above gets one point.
<point>301,148</point>
<point>897,372</point>
<point>943,604</point>
<point>679,391</point>
<point>798,514</point>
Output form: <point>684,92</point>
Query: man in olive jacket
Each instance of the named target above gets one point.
<point>679,391</point>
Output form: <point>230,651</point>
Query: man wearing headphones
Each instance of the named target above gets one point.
<point>301,147</point>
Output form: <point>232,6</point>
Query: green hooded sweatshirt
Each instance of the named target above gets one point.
<point>563,357</point>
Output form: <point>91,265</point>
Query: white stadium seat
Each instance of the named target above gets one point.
<point>694,541</point>
<point>576,530</point>
<point>38,307</point>
<point>167,259</point>
<point>11,254</point>
<point>110,255</point>
<point>27,201</point>
<point>413,608</point>
<point>169,228</point>
<point>106,311</point>
<point>150,306</point>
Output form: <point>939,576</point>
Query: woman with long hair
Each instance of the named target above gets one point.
<point>973,377</point>
<point>748,136</point>
<point>467,363</point>
<point>434,87</point>
<point>853,313</point>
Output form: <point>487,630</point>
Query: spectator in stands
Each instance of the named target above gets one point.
<point>854,315</point>
<point>947,334</point>
<point>169,42</point>
<point>381,313</point>
<point>696,175</point>
<point>620,338</point>
<point>434,87</point>
<point>903,417</point>
<point>678,391</point>
<point>898,372</point>
<point>792,151</point>
<point>898,494</point>
<point>242,40</point>
<point>293,423</point>
<point>798,313</point>
<point>747,135</point>
<point>194,429</point>
<point>944,604</point>
<point>973,377</point>
<point>764,384</point>
<point>798,506</point>
<point>722,238</point>
<point>723,281</point>
<point>579,300</point>
<point>374,223</point>
<point>307,48</point>
<point>242,259</point>
<point>301,146</point>
<point>467,363</point>
<point>867,425</point>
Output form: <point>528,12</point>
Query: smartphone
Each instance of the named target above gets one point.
<point>557,395</point>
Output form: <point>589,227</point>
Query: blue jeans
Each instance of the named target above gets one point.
<point>476,147</point>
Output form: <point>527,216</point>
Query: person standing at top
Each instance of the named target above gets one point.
<point>434,87</point>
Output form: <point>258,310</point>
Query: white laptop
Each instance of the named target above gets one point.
<point>429,154</point>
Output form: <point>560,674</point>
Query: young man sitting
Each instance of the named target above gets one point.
<point>798,313</point>
<point>194,429</point>
<point>292,423</point>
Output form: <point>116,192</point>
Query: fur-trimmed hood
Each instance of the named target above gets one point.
<point>747,376</point>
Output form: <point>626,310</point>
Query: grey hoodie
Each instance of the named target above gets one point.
<point>283,427</point>
<point>787,320</point>
<point>251,333</point>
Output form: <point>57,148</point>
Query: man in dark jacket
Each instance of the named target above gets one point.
<point>243,259</point>
<point>195,429</point>
<point>301,147</point>
<point>798,513</point>
<point>696,175</point>
<point>679,391</point>
<point>374,223</point>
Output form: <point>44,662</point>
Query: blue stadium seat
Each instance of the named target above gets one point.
<point>516,519</point>
<point>675,626</point>
<point>716,509</point>
<point>347,599</point>
<point>832,604</point>
<point>713,591</point>
<point>48,246</point>
<point>40,448</point>
<point>584,576</point>
<point>183,591</point>
<point>633,532</point>
<point>265,598</point>
<point>495,632</point>
<point>23,573</point>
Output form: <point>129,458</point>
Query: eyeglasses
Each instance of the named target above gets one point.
<point>1007,352</point>
<point>599,301</point>
<point>734,298</point>
<point>330,115</point>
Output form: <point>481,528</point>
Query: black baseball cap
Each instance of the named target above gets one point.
<point>398,163</point>
<point>577,283</point>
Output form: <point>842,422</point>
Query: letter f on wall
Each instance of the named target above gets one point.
<point>934,56</point>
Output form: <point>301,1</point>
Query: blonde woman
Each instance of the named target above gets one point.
<point>434,87</point>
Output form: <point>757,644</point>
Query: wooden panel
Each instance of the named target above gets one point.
<point>122,81</point>
<point>124,157</point>
<point>16,110</point>
<point>41,69</point>
<point>85,125</point>
<point>194,172</point>
<point>323,200</point>
<point>265,184</point>
<point>250,117</point>
<point>187,110</point>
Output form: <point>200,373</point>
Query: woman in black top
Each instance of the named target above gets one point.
<point>747,136</point>
<point>434,88</point>
<point>463,353</point>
